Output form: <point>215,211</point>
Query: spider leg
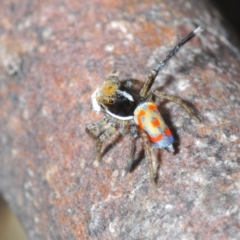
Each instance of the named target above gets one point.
<point>123,127</point>
<point>148,84</point>
<point>179,101</point>
<point>134,132</point>
<point>95,126</point>
<point>131,155</point>
<point>152,75</point>
<point>103,137</point>
<point>148,155</point>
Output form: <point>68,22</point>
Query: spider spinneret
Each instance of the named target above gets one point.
<point>130,109</point>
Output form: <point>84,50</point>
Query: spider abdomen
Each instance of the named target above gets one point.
<point>149,119</point>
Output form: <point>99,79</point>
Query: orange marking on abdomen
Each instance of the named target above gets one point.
<point>156,138</point>
<point>168,132</point>
<point>152,106</point>
<point>155,122</point>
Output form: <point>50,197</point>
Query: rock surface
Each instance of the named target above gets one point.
<point>53,55</point>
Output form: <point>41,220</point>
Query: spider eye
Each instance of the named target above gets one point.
<point>111,101</point>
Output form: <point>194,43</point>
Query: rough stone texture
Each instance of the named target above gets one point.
<point>53,54</point>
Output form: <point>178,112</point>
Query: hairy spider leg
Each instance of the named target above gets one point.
<point>148,153</point>
<point>152,75</point>
<point>91,128</point>
<point>102,138</point>
<point>112,126</point>
<point>179,101</point>
<point>132,149</point>
<point>124,127</point>
<point>135,134</point>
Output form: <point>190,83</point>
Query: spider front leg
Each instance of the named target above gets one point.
<point>102,138</point>
<point>179,101</point>
<point>91,128</point>
<point>148,154</point>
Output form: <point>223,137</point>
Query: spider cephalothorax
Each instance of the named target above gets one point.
<point>130,109</point>
<point>117,97</point>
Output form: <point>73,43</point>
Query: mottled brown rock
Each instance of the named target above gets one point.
<point>53,54</point>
